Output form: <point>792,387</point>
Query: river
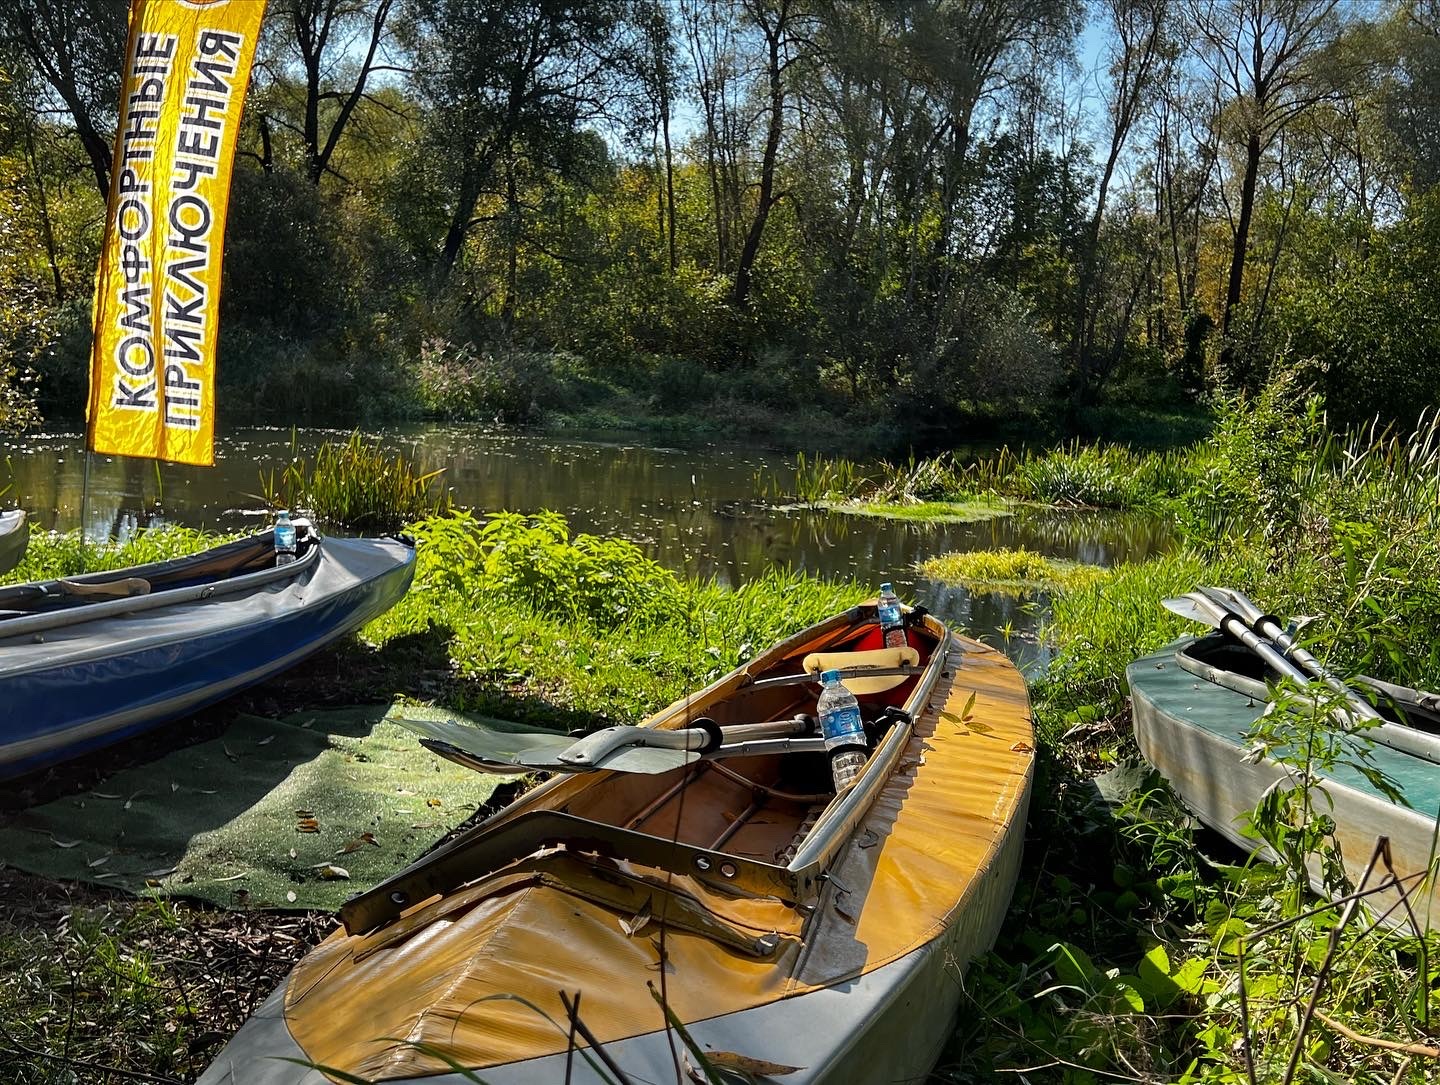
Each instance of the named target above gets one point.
<point>693,509</point>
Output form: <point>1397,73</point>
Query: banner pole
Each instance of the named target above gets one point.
<point>84,495</point>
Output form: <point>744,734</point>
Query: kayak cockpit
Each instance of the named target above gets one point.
<point>243,565</point>
<point>758,818</point>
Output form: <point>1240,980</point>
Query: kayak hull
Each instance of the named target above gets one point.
<point>14,538</point>
<point>80,686</point>
<point>1192,731</point>
<point>852,976</point>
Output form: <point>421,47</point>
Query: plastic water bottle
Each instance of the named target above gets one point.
<point>844,732</point>
<point>284,539</point>
<point>891,618</point>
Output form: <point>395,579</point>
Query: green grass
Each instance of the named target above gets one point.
<point>1012,572</point>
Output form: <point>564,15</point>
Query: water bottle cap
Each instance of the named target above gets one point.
<point>830,676</point>
<point>885,586</point>
<point>284,514</point>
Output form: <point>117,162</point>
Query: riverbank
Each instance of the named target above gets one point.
<point>1119,957</point>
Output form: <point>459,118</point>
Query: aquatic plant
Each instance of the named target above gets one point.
<point>355,484</point>
<point>1009,571</point>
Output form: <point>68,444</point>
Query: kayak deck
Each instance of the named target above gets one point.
<point>768,886</point>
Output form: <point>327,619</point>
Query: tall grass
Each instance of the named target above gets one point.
<point>1072,476</point>
<point>355,484</point>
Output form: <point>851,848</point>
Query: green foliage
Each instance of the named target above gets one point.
<point>1252,468</point>
<point>593,623</point>
<point>459,381</point>
<point>532,560</point>
<point>1009,571</point>
<point>355,484</point>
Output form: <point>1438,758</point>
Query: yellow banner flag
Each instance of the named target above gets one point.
<point>157,293</point>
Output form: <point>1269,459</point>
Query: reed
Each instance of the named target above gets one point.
<point>355,484</point>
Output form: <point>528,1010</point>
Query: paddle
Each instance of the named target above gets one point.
<point>1268,625</point>
<point>1201,608</point>
<point>1205,609</point>
<point>624,749</point>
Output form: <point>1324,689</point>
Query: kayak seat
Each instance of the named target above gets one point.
<point>817,663</point>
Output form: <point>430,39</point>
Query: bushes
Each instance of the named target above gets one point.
<point>463,381</point>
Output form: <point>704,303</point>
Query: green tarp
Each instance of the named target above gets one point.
<point>300,812</point>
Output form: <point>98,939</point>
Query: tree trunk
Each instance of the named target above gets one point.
<point>751,248</point>
<point>1228,355</point>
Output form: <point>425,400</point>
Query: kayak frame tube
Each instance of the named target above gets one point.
<point>488,847</point>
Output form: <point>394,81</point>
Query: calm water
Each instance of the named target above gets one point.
<point>694,510</point>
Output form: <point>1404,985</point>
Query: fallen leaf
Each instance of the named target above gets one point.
<point>331,871</point>
<point>976,725</point>
<point>65,843</point>
<point>233,877</point>
<point>1022,747</point>
<point>160,873</point>
<point>104,795</point>
<point>229,753</point>
<point>729,1060</point>
<point>266,740</point>
<point>290,896</point>
<point>294,854</point>
<point>207,791</point>
<point>307,825</point>
<point>174,787</point>
<point>358,843</point>
<point>304,813</point>
<point>308,722</point>
<point>100,861</point>
<point>433,802</point>
<point>133,797</point>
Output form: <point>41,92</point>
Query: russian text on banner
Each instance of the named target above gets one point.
<point>157,293</point>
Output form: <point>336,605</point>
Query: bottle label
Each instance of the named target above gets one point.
<point>888,615</point>
<point>843,726</point>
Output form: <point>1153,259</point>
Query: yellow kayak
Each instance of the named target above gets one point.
<point>698,872</point>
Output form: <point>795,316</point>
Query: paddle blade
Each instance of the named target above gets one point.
<point>491,747</point>
<point>1193,608</point>
<point>485,750</point>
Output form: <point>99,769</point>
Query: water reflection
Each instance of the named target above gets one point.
<point>693,510</point>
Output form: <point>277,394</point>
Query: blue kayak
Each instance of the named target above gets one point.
<point>87,661</point>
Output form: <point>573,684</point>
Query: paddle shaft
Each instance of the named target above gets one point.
<point>1265,625</point>
<point>592,750</point>
<point>1403,739</point>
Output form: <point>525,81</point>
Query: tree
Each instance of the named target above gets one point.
<point>495,75</point>
<point>77,47</point>
<point>1267,57</point>
<point>326,37</point>
<point>1138,42</point>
